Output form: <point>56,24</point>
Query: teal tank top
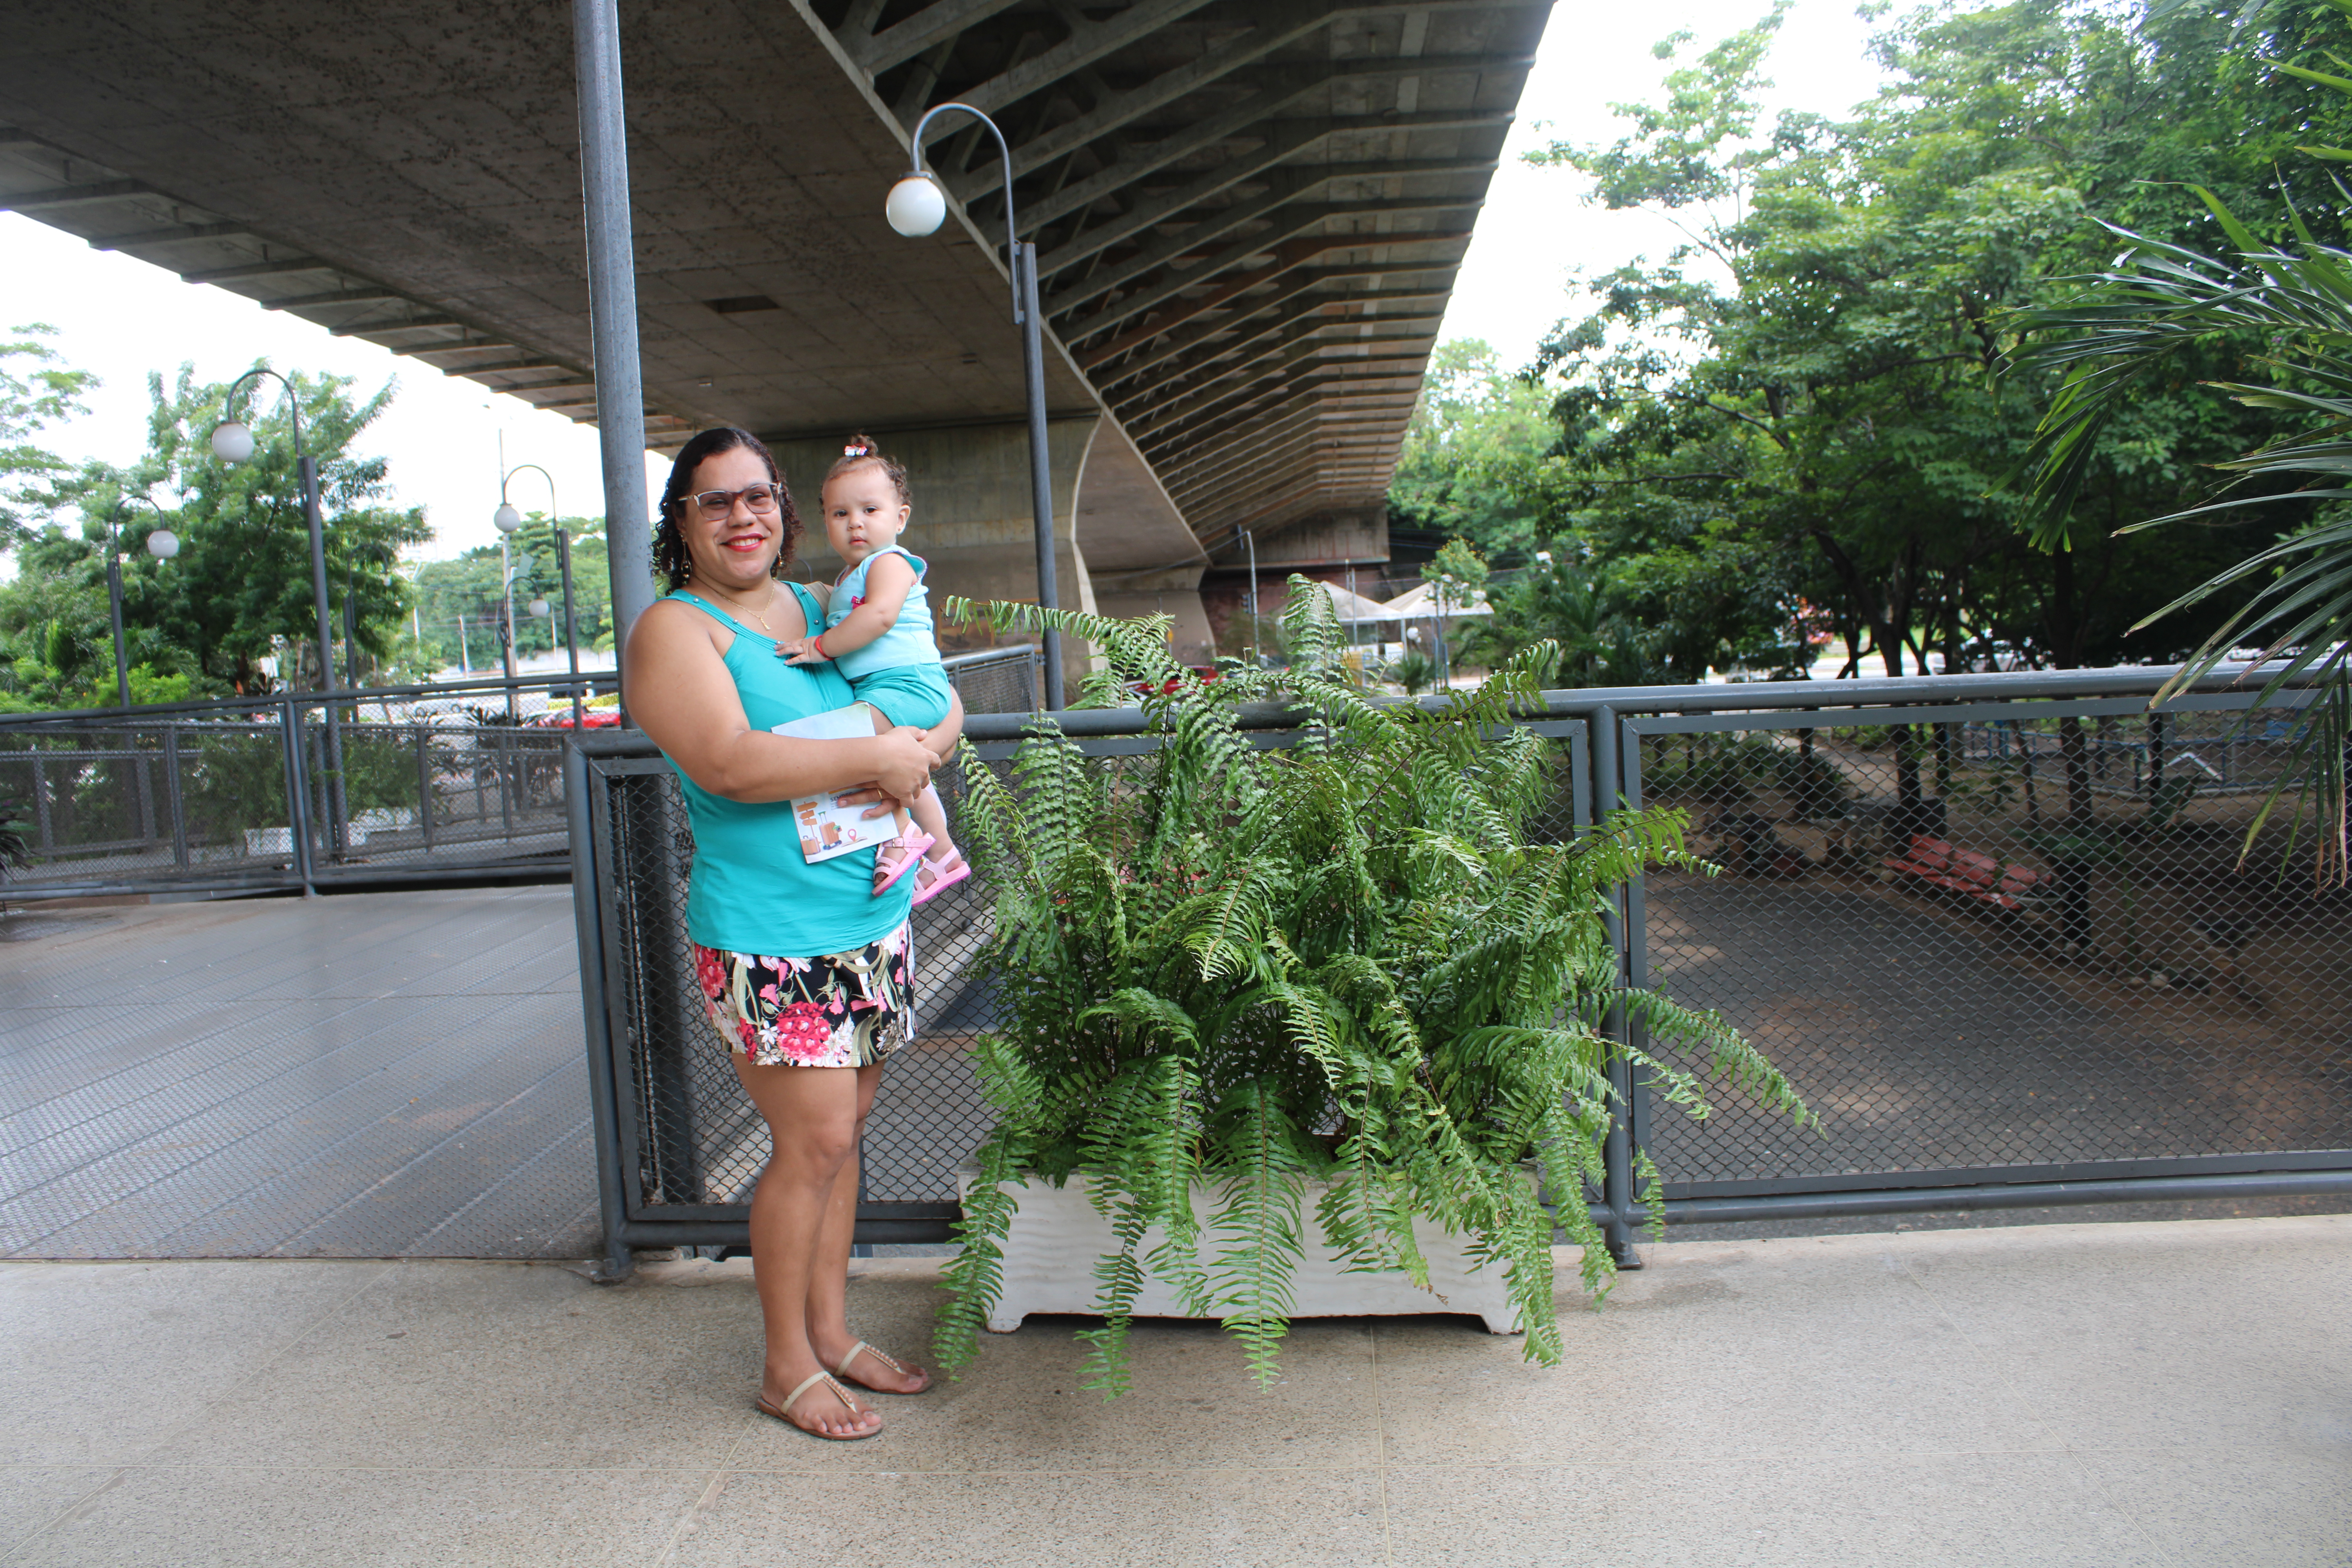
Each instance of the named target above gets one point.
<point>909,640</point>
<point>752,890</point>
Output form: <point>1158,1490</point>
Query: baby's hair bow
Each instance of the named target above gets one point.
<point>856,451</point>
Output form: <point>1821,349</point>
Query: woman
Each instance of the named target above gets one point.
<point>805,971</point>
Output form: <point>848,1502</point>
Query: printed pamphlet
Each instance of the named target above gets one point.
<point>827,827</point>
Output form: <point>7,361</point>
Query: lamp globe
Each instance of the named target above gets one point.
<point>507,518</point>
<point>539,608</point>
<point>162,545</point>
<point>232,441</point>
<point>916,206</point>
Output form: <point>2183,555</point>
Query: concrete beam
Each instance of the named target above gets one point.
<point>1283,187</point>
<point>171,233</point>
<point>1081,48</point>
<point>333,297</point>
<point>1244,304</point>
<point>1303,320</point>
<point>1289,255</point>
<point>1202,419</point>
<point>1286,223</point>
<point>1277,142</point>
<point>1303,294</point>
<point>1190,472</point>
<point>259,269</point>
<point>74,196</point>
<point>1180,390</point>
<point>941,22</point>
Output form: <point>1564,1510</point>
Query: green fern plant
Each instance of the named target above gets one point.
<point>1344,963</point>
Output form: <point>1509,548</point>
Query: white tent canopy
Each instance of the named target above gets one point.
<point>1421,603</point>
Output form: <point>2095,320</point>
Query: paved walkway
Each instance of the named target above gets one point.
<point>370,1076</point>
<point>2173,1395</point>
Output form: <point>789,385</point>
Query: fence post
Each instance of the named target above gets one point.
<point>588,884</point>
<point>174,805</point>
<point>43,831</point>
<point>1617,1150</point>
<point>297,792</point>
<point>424,785</point>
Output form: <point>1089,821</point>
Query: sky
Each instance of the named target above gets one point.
<point>122,318</point>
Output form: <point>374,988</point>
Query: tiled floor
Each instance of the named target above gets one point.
<point>2174,1394</point>
<point>372,1075</point>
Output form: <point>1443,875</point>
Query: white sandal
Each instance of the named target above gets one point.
<point>862,1348</point>
<point>810,1380</point>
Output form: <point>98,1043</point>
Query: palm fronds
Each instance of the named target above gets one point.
<point>2128,326</point>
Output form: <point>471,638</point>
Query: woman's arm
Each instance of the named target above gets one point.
<point>686,702</point>
<point>887,583</point>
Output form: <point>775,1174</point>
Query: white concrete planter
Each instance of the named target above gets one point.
<point>263,841</point>
<point>268,841</point>
<point>1056,1235</point>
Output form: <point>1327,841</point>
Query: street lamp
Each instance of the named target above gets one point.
<point>162,545</point>
<point>916,206</point>
<point>1249,540</point>
<point>508,520</point>
<point>233,443</point>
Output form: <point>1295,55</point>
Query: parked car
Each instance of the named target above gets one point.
<point>559,717</point>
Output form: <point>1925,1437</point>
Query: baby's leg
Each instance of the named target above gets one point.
<point>882,726</point>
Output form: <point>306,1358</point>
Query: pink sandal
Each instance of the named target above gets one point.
<point>911,845</point>
<point>937,876</point>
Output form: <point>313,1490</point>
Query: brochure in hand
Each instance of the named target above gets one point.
<point>828,829</point>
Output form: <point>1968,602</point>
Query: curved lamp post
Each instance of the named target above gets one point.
<point>916,208</point>
<point>162,545</point>
<point>508,519</point>
<point>233,443</point>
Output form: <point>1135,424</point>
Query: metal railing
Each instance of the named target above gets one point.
<point>444,783</point>
<point>2002,978</point>
<point>441,783</point>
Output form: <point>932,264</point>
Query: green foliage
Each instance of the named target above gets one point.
<point>2151,321</point>
<point>1473,429</point>
<point>1350,963</point>
<point>240,590</point>
<point>1416,671</point>
<point>1791,418</point>
<point>469,587</point>
<point>35,391</point>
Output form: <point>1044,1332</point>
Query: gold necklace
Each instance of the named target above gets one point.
<point>745,609</point>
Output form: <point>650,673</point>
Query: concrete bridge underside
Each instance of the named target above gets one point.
<point>1248,215</point>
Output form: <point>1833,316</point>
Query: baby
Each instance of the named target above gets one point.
<point>877,632</point>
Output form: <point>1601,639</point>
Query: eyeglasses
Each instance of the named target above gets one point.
<point>718,506</point>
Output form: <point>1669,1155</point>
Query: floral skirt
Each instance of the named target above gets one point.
<point>842,1010</point>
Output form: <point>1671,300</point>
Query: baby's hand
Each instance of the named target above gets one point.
<point>797,651</point>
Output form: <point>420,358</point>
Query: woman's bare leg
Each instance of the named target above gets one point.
<point>829,1334</point>
<point>813,1115</point>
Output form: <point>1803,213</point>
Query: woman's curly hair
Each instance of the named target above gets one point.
<point>670,558</point>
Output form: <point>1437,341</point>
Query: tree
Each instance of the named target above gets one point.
<point>1798,402</point>
<point>1475,429</point>
<point>240,590</point>
<point>37,391</point>
<point>2136,324</point>
<point>462,601</point>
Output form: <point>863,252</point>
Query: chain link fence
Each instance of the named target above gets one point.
<point>1997,930</point>
<point>432,783</point>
